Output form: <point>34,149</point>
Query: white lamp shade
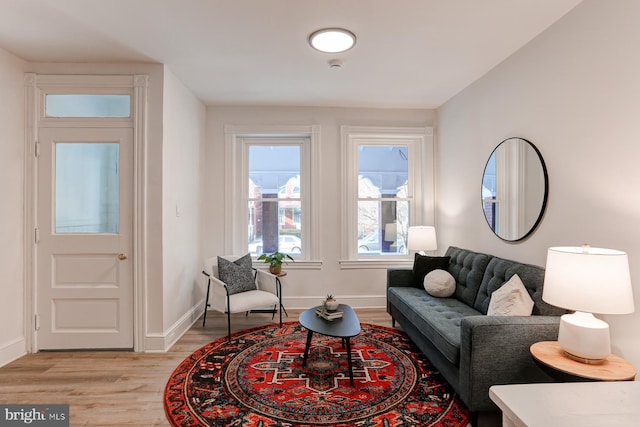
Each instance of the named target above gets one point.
<point>587,279</point>
<point>422,238</point>
<point>391,232</point>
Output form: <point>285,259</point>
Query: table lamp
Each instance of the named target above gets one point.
<point>391,232</point>
<point>422,238</point>
<point>587,280</point>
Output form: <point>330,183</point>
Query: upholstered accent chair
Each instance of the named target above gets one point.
<point>234,286</point>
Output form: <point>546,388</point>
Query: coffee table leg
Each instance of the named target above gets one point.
<point>349,360</point>
<point>306,347</point>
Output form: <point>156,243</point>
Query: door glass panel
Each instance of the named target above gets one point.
<point>79,105</point>
<point>87,187</point>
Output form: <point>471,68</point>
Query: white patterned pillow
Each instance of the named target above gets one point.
<point>237,275</point>
<point>511,299</point>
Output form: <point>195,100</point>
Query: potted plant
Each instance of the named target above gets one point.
<point>275,261</point>
<point>330,303</point>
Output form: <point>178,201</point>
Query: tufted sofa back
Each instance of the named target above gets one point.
<point>468,268</point>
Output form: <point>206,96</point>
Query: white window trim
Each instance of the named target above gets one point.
<point>89,85</point>
<point>235,236</point>
<point>421,168</point>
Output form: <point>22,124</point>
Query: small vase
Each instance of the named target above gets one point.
<point>275,270</point>
<point>332,305</point>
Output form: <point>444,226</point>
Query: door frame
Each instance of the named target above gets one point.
<point>36,88</point>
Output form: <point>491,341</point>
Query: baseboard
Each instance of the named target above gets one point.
<point>160,343</point>
<point>12,351</point>
<point>355,301</point>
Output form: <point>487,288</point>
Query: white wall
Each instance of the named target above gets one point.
<point>305,286</point>
<point>574,92</point>
<point>12,333</point>
<point>182,168</point>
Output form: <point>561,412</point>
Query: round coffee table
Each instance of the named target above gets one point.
<point>346,327</point>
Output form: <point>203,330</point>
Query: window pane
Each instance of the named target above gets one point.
<point>284,237</point>
<point>382,227</point>
<point>275,207</point>
<point>383,206</point>
<point>274,170</point>
<point>88,105</point>
<point>382,170</point>
<point>87,187</point>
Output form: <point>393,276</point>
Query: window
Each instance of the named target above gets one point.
<point>388,174</point>
<point>272,189</point>
<point>84,105</point>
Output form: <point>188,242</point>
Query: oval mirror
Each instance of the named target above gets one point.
<point>514,189</point>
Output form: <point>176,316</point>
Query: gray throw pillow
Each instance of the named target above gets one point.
<point>237,275</point>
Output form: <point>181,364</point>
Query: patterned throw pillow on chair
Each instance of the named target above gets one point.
<point>237,275</point>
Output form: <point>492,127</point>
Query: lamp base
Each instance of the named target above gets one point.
<point>584,338</point>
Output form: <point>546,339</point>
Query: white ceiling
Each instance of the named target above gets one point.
<point>409,53</point>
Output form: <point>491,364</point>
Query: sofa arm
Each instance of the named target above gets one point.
<point>495,350</point>
<point>399,277</point>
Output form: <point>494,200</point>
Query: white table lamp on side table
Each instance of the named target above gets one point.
<point>587,280</point>
<point>422,238</point>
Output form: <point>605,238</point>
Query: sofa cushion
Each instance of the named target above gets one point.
<point>424,264</point>
<point>467,267</point>
<point>438,319</point>
<point>510,299</point>
<point>440,283</point>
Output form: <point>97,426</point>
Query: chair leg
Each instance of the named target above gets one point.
<point>206,303</point>
<point>228,325</point>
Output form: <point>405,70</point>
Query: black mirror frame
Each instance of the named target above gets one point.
<point>543,207</point>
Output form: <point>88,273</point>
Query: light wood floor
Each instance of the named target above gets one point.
<point>117,388</point>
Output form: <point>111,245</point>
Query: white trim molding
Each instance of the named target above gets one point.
<point>12,350</point>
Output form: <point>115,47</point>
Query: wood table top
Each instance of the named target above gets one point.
<point>614,368</point>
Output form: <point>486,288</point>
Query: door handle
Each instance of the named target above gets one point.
<point>122,257</point>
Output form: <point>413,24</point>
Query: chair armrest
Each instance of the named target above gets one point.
<point>265,281</point>
<point>495,350</point>
<point>399,277</point>
<point>217,293</point>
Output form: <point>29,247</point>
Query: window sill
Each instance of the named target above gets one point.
<point>375,263</point>
<point>294,265</point>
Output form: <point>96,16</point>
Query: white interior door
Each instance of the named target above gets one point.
<point>84,291</point>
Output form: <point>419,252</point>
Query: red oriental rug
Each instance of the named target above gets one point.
<point>257,380</point>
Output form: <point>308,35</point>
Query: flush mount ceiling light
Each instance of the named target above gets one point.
<point>332,40</point>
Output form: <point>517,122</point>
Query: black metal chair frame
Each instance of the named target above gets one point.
<point>228,312</point>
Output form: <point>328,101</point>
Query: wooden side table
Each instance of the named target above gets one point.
<point>550,355</point>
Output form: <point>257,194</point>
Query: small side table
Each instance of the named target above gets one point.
<point>279,289</point>
<point>549,355</point>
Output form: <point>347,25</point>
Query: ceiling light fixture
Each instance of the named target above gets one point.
<point>332,40</point>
